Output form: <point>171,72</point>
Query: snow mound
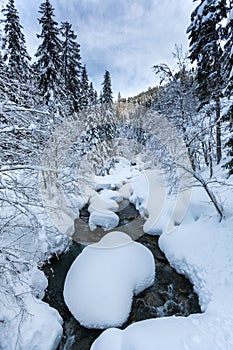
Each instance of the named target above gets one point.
<point>113,239</point>
<point>102,280</point>
<point>176,333</point>
<point>102,208</point>
<point>107,220</point>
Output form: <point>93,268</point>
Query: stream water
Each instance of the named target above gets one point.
<point>171,294</point>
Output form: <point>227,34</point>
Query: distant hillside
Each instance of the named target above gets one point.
<point>144,98</point>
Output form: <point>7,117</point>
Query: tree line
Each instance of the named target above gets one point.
<point>57,78</point>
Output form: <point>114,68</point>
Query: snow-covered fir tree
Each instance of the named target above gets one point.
<point>4,81</point>
<point>205,49</point>
<point>228,84</point>
<point>71,64</point>
<point>93,96</point>
<point>227,57</point>
<point>48,64</point>
<point>107,89</point>
<point>84,93</point>
<point>14,46</point>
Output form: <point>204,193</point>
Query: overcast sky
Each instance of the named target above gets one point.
<point>125,37</point>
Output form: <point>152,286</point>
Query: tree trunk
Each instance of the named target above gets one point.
<point>218,131</point>
<point>211,195</point>
<point>210,160</point>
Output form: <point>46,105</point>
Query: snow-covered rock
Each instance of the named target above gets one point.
<point>105,219</point>
<point>102,209</point>
<point>102,280</point>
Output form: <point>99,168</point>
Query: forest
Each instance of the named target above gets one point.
<point>61,142</point>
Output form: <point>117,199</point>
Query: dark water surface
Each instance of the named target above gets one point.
<point>171,294</point>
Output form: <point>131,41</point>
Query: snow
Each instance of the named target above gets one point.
<point>41,335</point>
<point>146,189</point>
<point>103,204</point>
<point>31,323</point>
<point>107,220</point>
<point>200,248</point>
<point>25,321</point>
<point>149,196</point>
<point>102,209</point>
<point>102,280</point>
<point>211,270</point>
<point>176,333</point>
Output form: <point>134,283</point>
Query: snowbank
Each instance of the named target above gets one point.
<point>203,251</point>
<point>146,190</point>
<point>29,323</point>
<point>176,333</point>
<point>101,282</point>
<point>149,194</point>
<point>41,335</point>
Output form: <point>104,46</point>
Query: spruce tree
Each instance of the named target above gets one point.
<point>84,93</point>
<point>205,49</point>
<point>227,57</point>
<point>93,97</point>
<point>71,64</point>
<point>4,83</point>
<point>107,121</point>
<point>227,65</point>
<point>13,44</point>
<point>107,89</point>
<point>48,65</point>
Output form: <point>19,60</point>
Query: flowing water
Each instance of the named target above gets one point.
<point>171,293</point>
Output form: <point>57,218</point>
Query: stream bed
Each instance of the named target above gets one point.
<point>171,293</point>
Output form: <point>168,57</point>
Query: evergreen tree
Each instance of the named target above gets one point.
<point>48,65</point>
<point>229,144</point>
<point>228,86</point>
<point>4,83</point>
<point>100,101</point>
<point>13,44</point>
<point>96,97</point>
<point>107,89</point>
<point>71,64</point>
<point>84,94</point>
<point>205,49</point>
<point>93,97</point>
<point>227,57</point>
